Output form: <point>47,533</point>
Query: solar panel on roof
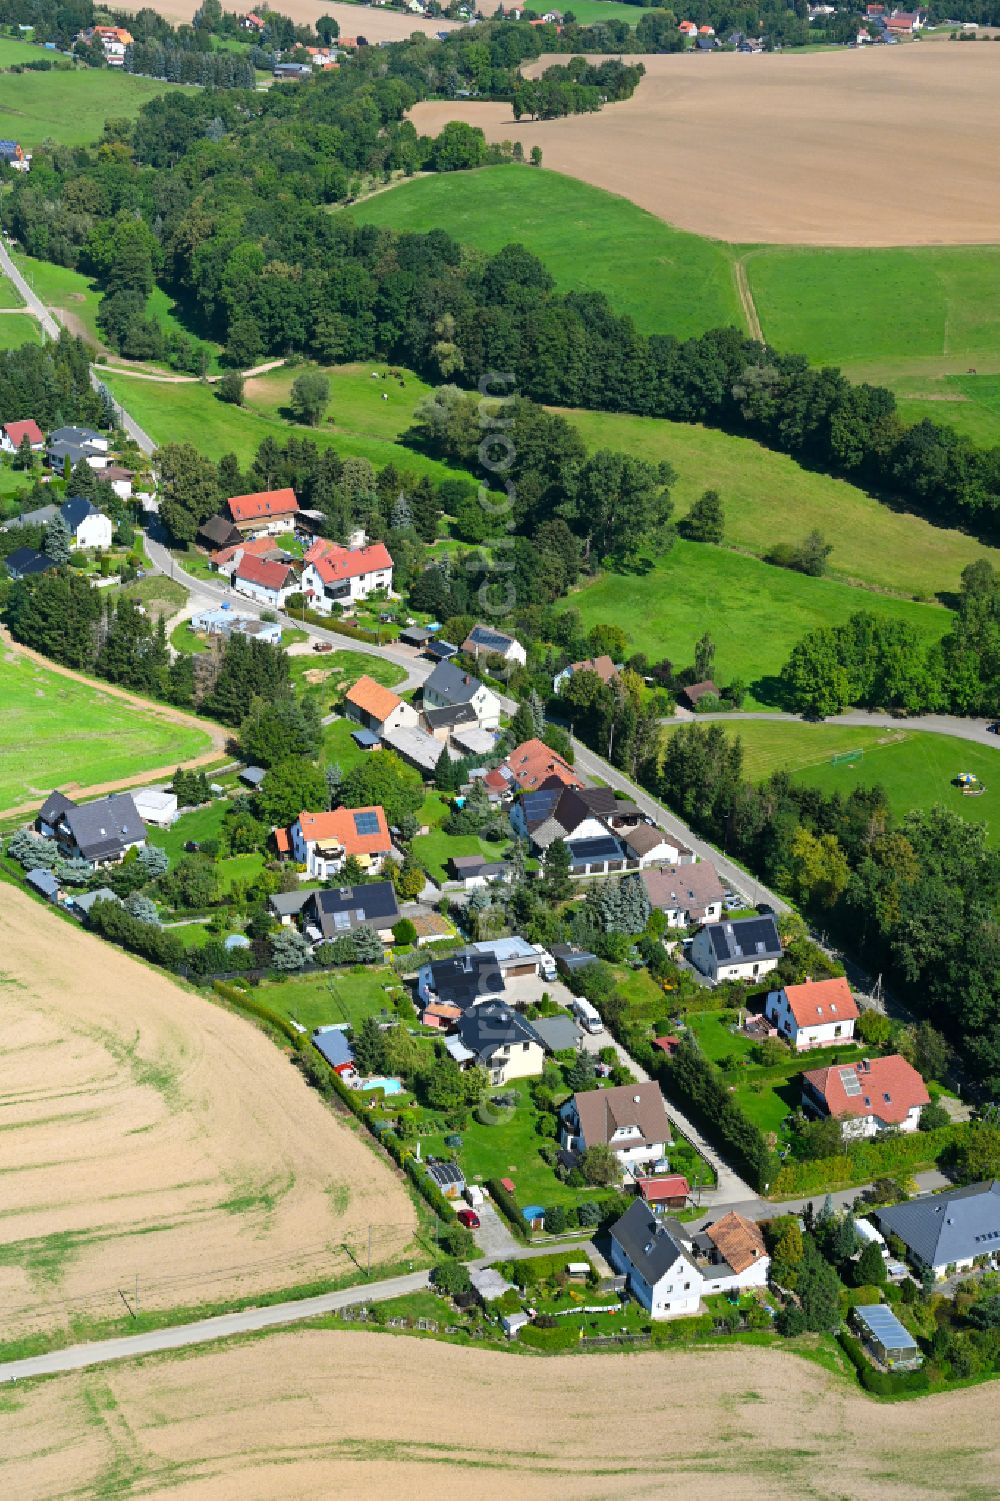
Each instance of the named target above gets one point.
<point>850,1081</point>
<point>366,823</point>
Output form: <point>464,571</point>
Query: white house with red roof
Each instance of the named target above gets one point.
<point>12,435</point>
<point>269,582</point>
<point>377,708</point>
<point>532,765</point>
<point>323,841</point>
<point>334,575</point>
<point>264,512</point>
<point>875,1095</point>
<point>816,1014</point>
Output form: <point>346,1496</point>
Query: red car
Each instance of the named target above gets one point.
<point>469,1218</point>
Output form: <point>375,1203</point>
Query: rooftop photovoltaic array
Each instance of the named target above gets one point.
<point>366,823</point>
<point>850,1081</point>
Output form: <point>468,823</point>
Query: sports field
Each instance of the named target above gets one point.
<point>666,280</point>
<point>69,107</point>
<point>754,612</point>
<point>343,1413</point>
<point>770,498</point>
<point>151,1134</point>
<point>916,768</point>
<point>777,149</point>
<point>57,732</point>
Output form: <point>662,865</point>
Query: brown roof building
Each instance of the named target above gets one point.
<point>739,1241</point>
<point>688,894</point>
<point>631,1119</point>
<point>693,695</point>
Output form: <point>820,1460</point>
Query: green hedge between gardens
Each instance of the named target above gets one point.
<point>682,1331</point>
<point>564,1337</point>
<point>239,998</point>
<point>866,1161</point>
<point>329,623</point>
<point>881,1383</point>
<point>508,1208</point>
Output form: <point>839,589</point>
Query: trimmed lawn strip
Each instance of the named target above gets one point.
<point>332,997</point>
<point>17,329</point>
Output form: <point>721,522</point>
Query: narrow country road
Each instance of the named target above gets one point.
<point>34,304</point>
<point>976,730</point>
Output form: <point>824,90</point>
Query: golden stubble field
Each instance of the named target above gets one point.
<point>145,1132</point>
<point>375,24</point>
<point>340,1414</point>
<point>888,146</point>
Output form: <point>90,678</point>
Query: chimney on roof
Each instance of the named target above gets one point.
<point>866,1065</point>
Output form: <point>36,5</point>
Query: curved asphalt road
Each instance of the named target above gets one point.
<point>976,730</point>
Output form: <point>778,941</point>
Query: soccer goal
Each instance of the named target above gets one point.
<point>847,758</point>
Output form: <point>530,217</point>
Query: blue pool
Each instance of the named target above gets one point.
<point>391,1086</point>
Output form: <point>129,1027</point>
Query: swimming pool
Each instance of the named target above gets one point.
<point>391,1086</point>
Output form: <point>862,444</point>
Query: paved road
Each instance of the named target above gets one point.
<point>976,730</point>
<point>765,1209</point>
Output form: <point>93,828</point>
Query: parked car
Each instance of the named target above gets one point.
<point>322,646</point>
<point>765,909</point>
<point>469,1218</point>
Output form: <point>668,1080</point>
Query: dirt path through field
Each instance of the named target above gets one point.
<point>882,146</point>
<point>746,298</point>
<point>339,1414</point>
<point>216,733</point>
<point>147,1133</point>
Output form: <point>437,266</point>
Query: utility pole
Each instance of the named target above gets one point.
<point>369,1253</point>
<point>137,1294</point>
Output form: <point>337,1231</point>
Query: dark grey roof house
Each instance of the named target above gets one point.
<point>101,832</point>
<point>740,950</point>
<point>415,635</point>
<point>49,814</point>
<point>947,1229</point>
<point>651,1252</point>
<point>334,913</point>
<point>217,532</point>
<point>75,510</point>
<point>25,561</point>
<point>450,717</point>
<point>449,683</point>
<point>486,1030</point>
<point>461,981</point>
<point>41,516</point>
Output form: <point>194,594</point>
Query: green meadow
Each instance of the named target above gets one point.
<point>755,612</point>
<point>915,768</point>
<point>17,329</point>
<point>667,280</point>
<point>68,106</point>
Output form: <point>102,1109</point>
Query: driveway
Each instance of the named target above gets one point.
<point>527,990</point>
<point>493,1238</point>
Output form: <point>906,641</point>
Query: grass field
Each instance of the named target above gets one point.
<point>54,732</point>
<point>667,280</point>
<point>770,498</point>
<point>915,768</point>
<point>190,413</point>
<point>10,297</point>
<point>324,1000</point>
<point>70,107</point>
<point>17,329</point>
<point>756,613</point>
<point>329,677</point>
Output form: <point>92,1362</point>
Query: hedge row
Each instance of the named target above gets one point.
<point>330,623</point>
<point>563,1337</point>
<point>507,1205</point>
<point>682,1331</point>
<point>882,1383</point>
<point>239,998</point>
<point>701,1089</point>
<point>867,1161</point>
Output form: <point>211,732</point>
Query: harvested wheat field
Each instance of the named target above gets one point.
<point>353,20</point>
<point>889,146</point>
<point>324,1414</point>
<point>148,1133</point>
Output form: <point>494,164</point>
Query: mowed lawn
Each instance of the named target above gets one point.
<point>770,498</point>
<point>191,413</point>
<point>754,612</point>
<point>17,329</point>
<point>54,731</point>
<point>335,996</point>
<point>667,280</point>
<point>10,297</point>
<point>915,768</point>
<point>69,107</point>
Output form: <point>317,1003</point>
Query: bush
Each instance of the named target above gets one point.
<point>555,1219</point>
<point>451,1277</point>
<point>253,1007</point>
<point>507,1207</point>
<point>682,1331</point>
<point>404,932</point>
<point>881,1383</point>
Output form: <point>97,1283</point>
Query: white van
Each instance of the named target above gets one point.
<point>586,1014</point>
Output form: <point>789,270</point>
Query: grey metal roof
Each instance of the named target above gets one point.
<point>90,898</point>
<point>415,635</point>
<point>557,1032</point>
<point>882,1323</point>
<point>947,1227</point>
<point>252,775</point>
<point>289,903</point>
<point>415,746</point>
<point>449,716</point>
<point>41,516</point>
<point>43,881</point>
<point>106,826</point>
<point>648,1242</point>
<point>452,684</point>
<point>333,1044</point>
<point>746,938</point>
<point>365,739</point>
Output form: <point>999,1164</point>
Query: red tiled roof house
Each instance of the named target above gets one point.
<point>817,1014</point>
<point>12,435</point>
<point>867,1097</point>
<point>336,576</point>
<point>264,513</point>
<point>269,583</point>
<point>323,841</point>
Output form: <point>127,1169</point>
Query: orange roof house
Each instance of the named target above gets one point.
<point>373,698</point>
<point>362,832</point>
<point>815,1014</point>
<point>534,764</point>
<point>262,507</point>
<point>738,1240</point>
<point>333,562</point>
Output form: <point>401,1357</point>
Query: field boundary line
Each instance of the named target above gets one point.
<point>746,298</point>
